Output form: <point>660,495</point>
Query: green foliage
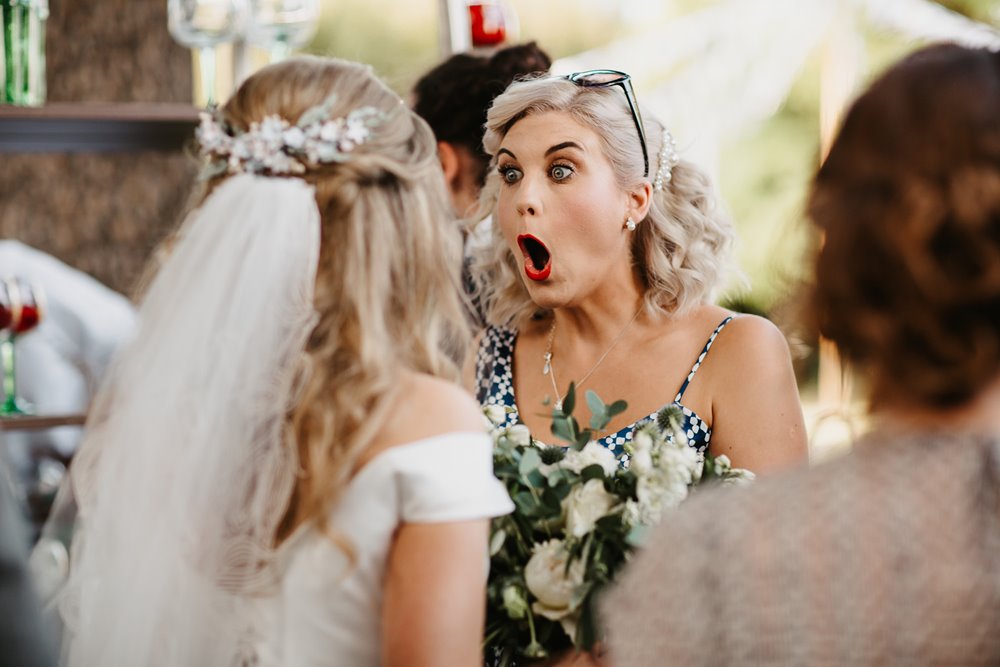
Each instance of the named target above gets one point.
<point>581,533</point>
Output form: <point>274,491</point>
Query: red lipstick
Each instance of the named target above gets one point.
<point>537,258</point>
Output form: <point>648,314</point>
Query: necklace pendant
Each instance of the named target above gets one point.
<point>547,368</point>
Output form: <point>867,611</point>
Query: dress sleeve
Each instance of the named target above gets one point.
<point>451,479</point>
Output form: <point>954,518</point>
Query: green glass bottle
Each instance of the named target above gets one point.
<point>22,80</point>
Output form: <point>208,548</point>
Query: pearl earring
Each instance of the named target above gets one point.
<point>630,225</point>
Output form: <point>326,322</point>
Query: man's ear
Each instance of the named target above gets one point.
<point>450,163</point>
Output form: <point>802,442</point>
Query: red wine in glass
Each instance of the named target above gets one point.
<point>7,308</point>
<point>27,312</point>
<point>31,315</point>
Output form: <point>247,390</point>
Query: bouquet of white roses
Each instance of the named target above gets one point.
<point>579,513</point>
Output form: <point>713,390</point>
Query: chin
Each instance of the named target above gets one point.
<point>545,295</point>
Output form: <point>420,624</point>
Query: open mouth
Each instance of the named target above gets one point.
<point>537,258</point>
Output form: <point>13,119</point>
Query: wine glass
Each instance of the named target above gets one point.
<point>27,309</point>
<point>202,25</point>
<point>280,26</point>
<point>10,308</point>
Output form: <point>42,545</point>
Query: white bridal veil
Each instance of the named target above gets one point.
<point>183,476</point>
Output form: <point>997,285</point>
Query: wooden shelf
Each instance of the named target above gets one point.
<point>38,422</point>
<point>96,128</point>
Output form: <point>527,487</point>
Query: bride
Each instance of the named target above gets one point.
<point>278,470</point>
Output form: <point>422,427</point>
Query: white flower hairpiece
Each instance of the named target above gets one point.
<point>275,146</point>
<point>667,160</point>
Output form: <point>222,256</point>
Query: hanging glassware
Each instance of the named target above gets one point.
<point>281,26</point>
<point>202,25</point>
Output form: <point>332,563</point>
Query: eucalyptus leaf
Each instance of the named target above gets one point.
<point>610,522</point>
<point>599,416</point>
<point>536,479</point>
<point>617,408</point>
<point>551,502</point>
<point>530,461</point>
<point>496,542</point>
<point>557,477</point>
<point>526,503</point>
<point>570,401</point>
<point>586,633</point>
<point>563,489</point>
<point>563,429</point>
<point>637,536</point>
<point>579,595</point>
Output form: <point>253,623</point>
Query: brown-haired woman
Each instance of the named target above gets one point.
<point>887,556</point>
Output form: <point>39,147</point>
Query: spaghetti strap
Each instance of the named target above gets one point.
<point>701,358</point>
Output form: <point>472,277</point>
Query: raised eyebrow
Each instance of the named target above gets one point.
<point>565,144</point>
<point>504,150</point>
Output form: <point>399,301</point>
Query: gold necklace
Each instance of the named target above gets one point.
<point>549,369</point>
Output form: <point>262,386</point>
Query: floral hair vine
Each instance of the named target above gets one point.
<point>667,159</point>
<point>275,146</point>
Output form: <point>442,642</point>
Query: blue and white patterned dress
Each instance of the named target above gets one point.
<point>495,386</point>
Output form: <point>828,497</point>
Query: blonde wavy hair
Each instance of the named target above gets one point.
<point>388,291</point>
<point>681,250</point>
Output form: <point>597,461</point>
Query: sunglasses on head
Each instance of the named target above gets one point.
<point>604,78</point>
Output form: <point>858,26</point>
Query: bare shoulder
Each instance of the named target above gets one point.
<point>433,406</point>
<point>750,339</point>
<point>425,407</point>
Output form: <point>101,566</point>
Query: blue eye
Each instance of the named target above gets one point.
<point>509,174</point>
<point>561,172</point>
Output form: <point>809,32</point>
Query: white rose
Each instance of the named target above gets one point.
<point>632,514</point>
<point>642,442</point>
<point>585,505</point>
<point>546,577</point>
<point>496,414</point>
<point>641,462</point>
<point>591,454</point>
<point>681,460</point>
<point>519,435</point>
<point>661,489</point>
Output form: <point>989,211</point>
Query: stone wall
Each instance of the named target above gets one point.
<point>102,213</point>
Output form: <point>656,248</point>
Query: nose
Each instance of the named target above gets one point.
<point>527,202</point>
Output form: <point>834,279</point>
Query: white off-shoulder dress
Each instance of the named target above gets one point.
<point>327,610</point>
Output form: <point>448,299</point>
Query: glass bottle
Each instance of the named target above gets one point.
<point>22,70</point>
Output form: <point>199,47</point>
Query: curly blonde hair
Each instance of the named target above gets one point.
<point>680,250</point>
<point>388,291</point>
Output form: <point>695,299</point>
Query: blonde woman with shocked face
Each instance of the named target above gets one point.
<point>606,254</point>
